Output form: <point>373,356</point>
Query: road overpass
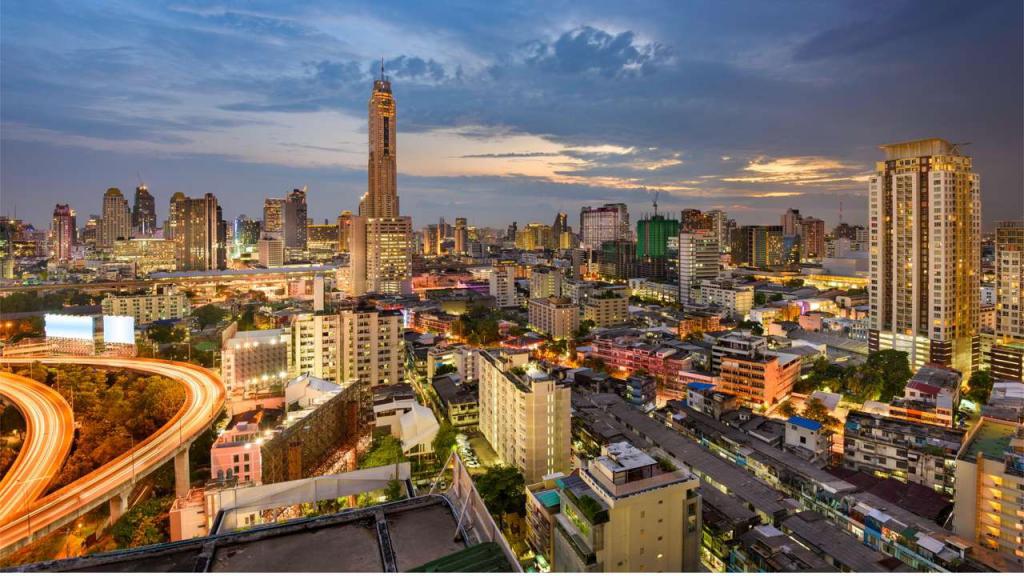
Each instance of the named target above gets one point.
<point>112,482</point>
<point>49,429</point>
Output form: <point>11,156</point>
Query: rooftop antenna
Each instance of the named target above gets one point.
<point>840,211</point>
<point>382,68</point>
<point>957,145</point>
<point>657,193</point>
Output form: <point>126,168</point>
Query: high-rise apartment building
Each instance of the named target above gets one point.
<point>173,217</point>
<point>791,221</point>
<point>925,230</point>
<point>296,235</point>
<point>199,232</point>
<point>812,239</point>
<point>758,246</point>
<point>62,233</point>
<point>361,343</point>
<point>698,259</point>
<point>545,281</point>
<point>381,242</point>
<point>693,219</point>
<point>628,512</point>
<point>524,414</point>
<point>143,212</point>
<point>461,237</point>
<point>603,224</point>
<point>1010,280</point>
<point>502,284</point>
<point>344,231</point>
<point>719,227</point>
<point>273,218</point>
<point>116,221</point>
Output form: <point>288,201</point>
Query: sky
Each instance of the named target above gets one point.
<point>506,110</point>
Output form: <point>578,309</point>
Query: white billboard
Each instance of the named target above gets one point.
<point>118,330</point>
<point>69,326</point>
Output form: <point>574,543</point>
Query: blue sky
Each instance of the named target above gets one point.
<point>506,110</point>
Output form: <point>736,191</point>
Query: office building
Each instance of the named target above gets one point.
<point>524,414</point>
<point>535,236</point>
<point>628,512</point>
<point>143,212</point>
<point>720,227</point>
<point>295,221</point>
<point>698,260</point>
<point>344,231</point>
<point>557,317</point>
<point>617,260</point>
<point>812,239</point>
<point>270,252</point>
<point>146,255</point>
<point>758,246</point>
<point>62,233</point>
<point>655,238</point>
<point>381,242</point>
<point>603,224</point>
<point>758,377</point>
<point>322,241</point>
<point>925,228</point>
<point>254,361</point>
<point>1009,280</point>
<point>148,308</point>
<point>199,232</point>
<point>501,281</point>
<point>461,237</point>
<point>115,222</point>
<point>173,217</point>
<point>737,300</point>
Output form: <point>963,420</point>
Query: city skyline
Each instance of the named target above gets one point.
<point>811,118</point>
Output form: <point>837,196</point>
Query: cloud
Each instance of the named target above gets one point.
<point>799,170</point>
<point>589,50</point>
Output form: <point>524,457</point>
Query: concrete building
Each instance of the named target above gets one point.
<point>557,317</point>
<point>932,396</point>
<point>147,308</point>
<point>307,391</point>
<point>761,380</point>
<point>603,224</point>
<point>361,343</point>
<point>62,233</point>
<point>628,512</point>
<point>316,345</point>
<point>147,255</point>
<point>143,212</point>
<point>907,451</point>
<point>737,300</point>
<point>1009,280</point>
<point>502,284</point>
<point>524,414</point>
<point>808,439</point>
<point>989,488</point>
<point>607,308</point>
<point>236,454</point>
<point>545,281</point>
<point>200,233</point>
<point>698,259</point>
<point>254,360</point>
<point>271,252</point>
<point>116,221</point>
<point>925,222</point>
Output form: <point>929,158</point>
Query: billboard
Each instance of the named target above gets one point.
<point>118,330</point>
<point>68,326</point>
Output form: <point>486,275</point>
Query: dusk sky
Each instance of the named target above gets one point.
<point>506,111</point>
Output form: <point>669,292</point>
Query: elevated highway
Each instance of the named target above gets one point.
<point>112,482</point>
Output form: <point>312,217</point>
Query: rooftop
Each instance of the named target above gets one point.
<point>991,438</point>
<point>812,425</point>
<point>399,536</point>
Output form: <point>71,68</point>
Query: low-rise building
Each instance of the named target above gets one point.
<point>307,391</point>
<point>628,512</point>
<point>760,380</point>
<point>606,309</point>
<point>699,322</point>
<point>907,451</point>
<point>459,400</point>
<point>702,397</point>
<point>808,438</point>
<point>736,299</point>
<point>148,308</point>
<point>932,396</point>
<point>236,454</point>
<point>557,317</point>
<point>542,503</point>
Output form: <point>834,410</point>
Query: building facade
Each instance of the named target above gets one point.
<point>557,317</point>
<point>1009,280</point>
<point>925,229</point>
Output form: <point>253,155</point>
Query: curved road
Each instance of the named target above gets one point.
<point>204,397</point>
<point>49,430</point>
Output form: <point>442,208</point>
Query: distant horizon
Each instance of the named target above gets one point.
<point>506,113</point>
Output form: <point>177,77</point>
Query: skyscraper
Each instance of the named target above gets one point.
<point>273,218</point>
<point>698,259</point>
<point>62,233</point>
<point>461,237</point>
<point>173,218</point>
<point>925,249</point>
<point>1010,280</point>
<point>296,235</point>
<point>381,238</point>
<point>812,238</point>
<point>720,226</point>
<point>791,221</point>
<point>200,233</point>
<point>143,212</point>
<point>692,219</point>
<point>604,224</point>
<point>344,230</point>
<point>116,222</point>
<point>653,238</point>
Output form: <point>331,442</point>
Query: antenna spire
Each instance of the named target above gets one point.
<point>381,67</point>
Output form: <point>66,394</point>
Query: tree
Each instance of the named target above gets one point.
<point>980,386</point>
<point>385,450</point>
<point>760,298</point>
<point>815,409</point>
<point>787,409</point>
<point>443,442</point>
<point>585,327</point>
<point>754,327</point>
<point>888,371</point>
<point>208,315</point>
<point>503,489</point>
<point>444,369</point>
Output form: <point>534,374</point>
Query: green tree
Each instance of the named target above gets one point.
<point>585,327</point>
<point>754,327</point>
<point>980,386</point>
<point>443,442</point>
<point>815,409</point>
<point>887,371</point>
<point>385,450</point>
<point>503,490</point>
<point>208,315</point>
<point>787,409</point>
<point>444,369</point>
<point>760,298</point>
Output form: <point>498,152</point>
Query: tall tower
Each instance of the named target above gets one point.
<point>1010,280</point>
<point>62,233</point>
<point>143,211</point>
<point>461,237</point>
<point>200,233</point>
<point>925,246</point>
<point>116,223</point>
<point>381,246</point>
<point>296,232</point>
